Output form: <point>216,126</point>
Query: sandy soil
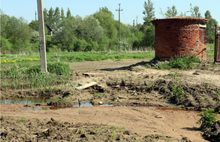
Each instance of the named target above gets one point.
<point>176,124</point>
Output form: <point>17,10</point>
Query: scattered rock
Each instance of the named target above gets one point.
<point>186,139</point>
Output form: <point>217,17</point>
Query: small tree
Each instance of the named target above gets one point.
<point>171,12</point>
<point>62,15</point>
<point>148,12</point>
<point>68,14</point>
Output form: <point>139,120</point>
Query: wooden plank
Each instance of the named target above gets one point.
<point>86,86</point>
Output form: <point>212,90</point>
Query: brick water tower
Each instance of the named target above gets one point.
<point>181,35</point>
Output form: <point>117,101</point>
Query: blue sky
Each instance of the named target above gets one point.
<point>131,8</point>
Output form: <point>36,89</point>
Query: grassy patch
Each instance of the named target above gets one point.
<point>181,63</point>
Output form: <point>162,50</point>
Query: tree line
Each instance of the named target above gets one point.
<point>98,31</point>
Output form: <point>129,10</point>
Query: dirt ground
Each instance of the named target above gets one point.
<point>129,82</point>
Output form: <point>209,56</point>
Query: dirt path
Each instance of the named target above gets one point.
<point>176,124</point>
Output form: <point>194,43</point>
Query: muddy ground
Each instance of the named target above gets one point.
<point>129,83</point>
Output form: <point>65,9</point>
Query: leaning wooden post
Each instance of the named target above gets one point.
<point>215,49</point>
<point>43,57</point>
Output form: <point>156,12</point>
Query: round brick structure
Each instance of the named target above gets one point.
<point>181,35</point>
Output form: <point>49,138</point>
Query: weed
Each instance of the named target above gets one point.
<point>21,119</point>
<point>79,111</point>
<point>209,118</point>
<point>98,95</point>
<point>178,92</point>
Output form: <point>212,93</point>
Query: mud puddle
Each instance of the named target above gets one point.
<point>37,105</point>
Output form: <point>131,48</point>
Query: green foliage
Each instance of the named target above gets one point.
<point>96,32</point>
<point>149,36</point>
<point>171,12</point>
<point>33,69</point>
<point>58,68</point>
<point>89,28</point>
<point>148,11</point>
<point>45,12</point>
<point>34,25</point>
<point>68,13</point>
<point>51,20</point>
<point>178,92</point>
<point>57,17</point>
<point>209,118</point>
<point>210,30</point>
<point>62,15</point>
<point>195,11</point>
<point>181,63</point>
<point>6,46</point>
<point>55,68</point>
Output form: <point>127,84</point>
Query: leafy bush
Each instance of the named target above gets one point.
<point>209,118</point>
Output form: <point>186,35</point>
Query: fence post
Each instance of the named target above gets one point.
<point>215,49</point>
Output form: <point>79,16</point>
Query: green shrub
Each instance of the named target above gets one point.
<point>58,68</point>
<point>55,68</point>
<point>34,69</point>
<point>178,92</point>
<point>209,118</point>
<point>6,46</point>
<point>181,63</point>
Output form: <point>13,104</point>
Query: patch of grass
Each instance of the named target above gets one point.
<point>181,63</point>
<point>22,119</point>
<point>98,95</point>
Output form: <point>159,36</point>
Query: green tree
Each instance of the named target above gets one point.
<point>67,36</point>
<point>148,12</point>
<point>62,15</point>
<point>210,30</point>
<point>45,12</point>
<point>171,12</point>
<point>149,37</point>
<point>208,15</point>
<point>105,10</point>
<point>194,11</point>
<point>68,14</point>
<point>17,32</point>
<point>34,25</point>
<point>51,18</point>
<point>109,25</point>
<point>57,17</point>
<point>90,28</point>
<point>210,27</point>
<point>4,26</point>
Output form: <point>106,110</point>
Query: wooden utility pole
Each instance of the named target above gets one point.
<point>35,15</point>
<point>43,57</point>
<point>216,43</point>
<point>119,27</point>
<point>133,26</point>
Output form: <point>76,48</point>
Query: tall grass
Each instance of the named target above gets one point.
<point>29,78</point>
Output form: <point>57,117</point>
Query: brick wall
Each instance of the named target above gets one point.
<point>180,36</point>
